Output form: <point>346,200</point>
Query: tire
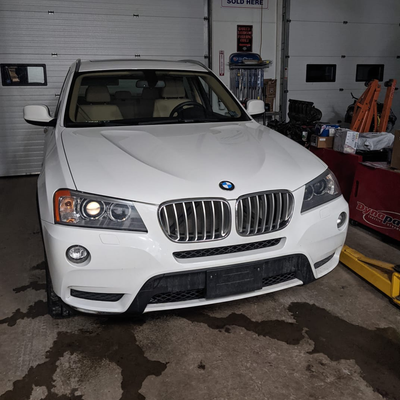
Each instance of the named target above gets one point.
<point>55,306</point>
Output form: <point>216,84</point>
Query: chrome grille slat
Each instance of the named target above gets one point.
<point>249,216</point>
<point>256,215</point>
<point>176,221</point>
<point>278,210</point>
<point>222,218</point>
<point>195,220</point>
<point>203,207</point>
<point>272,211</point>
<point>285,196</point>
<point>186,222</point>
<point>240,217</point>
<point>166,221</point>
<point>264,212</point>
<point>213,221</point>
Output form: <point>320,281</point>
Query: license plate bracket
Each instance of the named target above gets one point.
<point>231,281</point>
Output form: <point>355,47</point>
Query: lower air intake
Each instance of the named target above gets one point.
<point>217,251</point>
<point>173,297</point>
<point>273,280</point>
<point>112,297</point>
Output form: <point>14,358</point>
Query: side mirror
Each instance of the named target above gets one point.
<point>38,115</point>
<point>255,107</point>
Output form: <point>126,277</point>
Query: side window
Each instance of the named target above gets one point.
<point>321,73</point>
<point>23,75</point>
<point>367,72</point>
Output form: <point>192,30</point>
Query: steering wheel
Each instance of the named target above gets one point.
<point>190,104</point>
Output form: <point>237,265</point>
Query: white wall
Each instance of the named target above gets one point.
<point>224,29</point>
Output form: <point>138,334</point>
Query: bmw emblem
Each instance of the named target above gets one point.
<point>226,185</point>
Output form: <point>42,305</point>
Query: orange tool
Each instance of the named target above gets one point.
<point>391,87</point>
<point>365,108</point>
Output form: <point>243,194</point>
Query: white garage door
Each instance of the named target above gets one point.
<point>346,34</point>
<point>57,32</point>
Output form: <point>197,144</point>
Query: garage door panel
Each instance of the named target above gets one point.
<point>385,12</point>
<point>170,8</point>
<point>139,39</point>
<point>27,135</point>
<point>346,69</point>
<point>339,39</point>
<point>56,33</point>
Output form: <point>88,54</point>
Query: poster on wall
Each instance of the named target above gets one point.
<point>245,38</point>
<point>245,3</point>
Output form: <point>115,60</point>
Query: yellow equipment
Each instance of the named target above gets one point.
<point>383,275</point>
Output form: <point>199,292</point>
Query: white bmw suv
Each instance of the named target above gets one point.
<point>159,191</point>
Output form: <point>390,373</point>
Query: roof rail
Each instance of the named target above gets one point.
<point>196,62</point>
<point>78,65</point>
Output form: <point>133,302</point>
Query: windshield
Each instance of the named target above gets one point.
<point>144,97</point>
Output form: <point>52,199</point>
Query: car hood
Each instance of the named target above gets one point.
<point>157,163</point>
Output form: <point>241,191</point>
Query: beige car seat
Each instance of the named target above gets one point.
<point>126,103</point>
<point>172,94</point>
<point>98,108</point>
<point>146,102</point>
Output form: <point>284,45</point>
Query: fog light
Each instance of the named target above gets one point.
<point>77,254</point>
<point>341,219</point>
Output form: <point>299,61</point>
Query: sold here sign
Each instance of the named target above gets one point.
<point>245,3</point>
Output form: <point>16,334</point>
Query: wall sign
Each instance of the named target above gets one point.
<point>245,38</point>
<point>245,3</point>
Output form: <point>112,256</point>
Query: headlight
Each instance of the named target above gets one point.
<point>80,209</point>
<point>320,190</point>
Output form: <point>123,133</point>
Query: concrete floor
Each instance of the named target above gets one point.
<point>336,338</point>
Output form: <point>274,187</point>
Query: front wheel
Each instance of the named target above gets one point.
<point>55,306</point>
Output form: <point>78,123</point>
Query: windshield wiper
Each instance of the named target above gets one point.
<point>136,121</point>
<point>92,123</point>
<point>160,122</point>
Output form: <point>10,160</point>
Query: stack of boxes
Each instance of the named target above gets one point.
<point>269,93</point>
<point>346,141</point>
<point>330,136</point>
<point>324,134</point>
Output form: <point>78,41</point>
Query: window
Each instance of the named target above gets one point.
<point>368,72</point>
<point>321,73</point>
<point>218,106</point>
<point>23,75</point>
<point>149,96</point>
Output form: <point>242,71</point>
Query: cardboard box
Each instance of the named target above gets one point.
<point>322,142</point>
<point>326,129</point>
<point>270,87</point>
<point>396,151</point>
<point>345,141</point>
<point>270,102</point>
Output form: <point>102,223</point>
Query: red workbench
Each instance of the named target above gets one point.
<point>373,193</point>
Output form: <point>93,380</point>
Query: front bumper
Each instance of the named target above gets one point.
<point>134,268</point>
